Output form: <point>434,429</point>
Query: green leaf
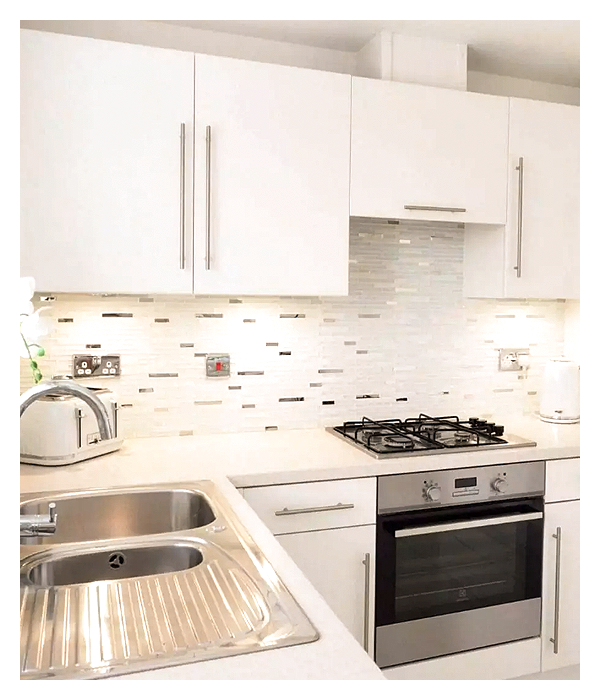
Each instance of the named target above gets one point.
<point>37,375</point>
<point>34,364</point>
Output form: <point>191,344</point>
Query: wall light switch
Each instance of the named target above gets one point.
<point>217,365</point>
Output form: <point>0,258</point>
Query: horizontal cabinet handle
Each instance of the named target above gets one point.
<point>314,509</point>
<point>419,207</point>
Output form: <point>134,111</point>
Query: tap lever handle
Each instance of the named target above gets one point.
<point>52,512</point>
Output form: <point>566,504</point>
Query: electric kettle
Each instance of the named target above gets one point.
<point>559,395</point>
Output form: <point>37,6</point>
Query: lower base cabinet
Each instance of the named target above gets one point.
<point>560,595</point>
<point>340,564</point>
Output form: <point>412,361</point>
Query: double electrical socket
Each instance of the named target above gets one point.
<point>512,360</point>
<point>96,366</point>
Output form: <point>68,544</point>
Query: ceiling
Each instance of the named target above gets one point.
<point>546,50</point>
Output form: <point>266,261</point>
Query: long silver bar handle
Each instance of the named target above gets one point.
<point>418,207</point>
<point>367,564</point>
<point>78,417</point>
<point>315,509</point>
<point>208,196</point>
<point>558,537</point>
<point>467,525</point>
<point>182,197</point>
<point>517,267</point>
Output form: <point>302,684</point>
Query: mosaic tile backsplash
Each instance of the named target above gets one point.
<point>404,341</point>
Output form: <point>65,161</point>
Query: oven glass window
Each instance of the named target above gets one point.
<point>450,571</point>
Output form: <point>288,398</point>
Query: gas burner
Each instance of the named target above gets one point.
<point>399,442</point>
<point>460,438</point>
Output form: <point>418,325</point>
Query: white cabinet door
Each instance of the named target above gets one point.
<point>546,137</point>
<point>102,177</point>
<point>276,179</point>
<point>340,564</point>
<point>537,254</point>
<point>420,146</point>
<point>560,615</point>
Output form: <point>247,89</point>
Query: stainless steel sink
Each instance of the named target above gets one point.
<point>111,563</point>
<point>165,595</point>
<point>88,516</point>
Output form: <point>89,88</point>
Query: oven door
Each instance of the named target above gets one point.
<point>456,578</point>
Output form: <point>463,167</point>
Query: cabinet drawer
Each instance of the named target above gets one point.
<point>317,505</point>
<point>562,480</point>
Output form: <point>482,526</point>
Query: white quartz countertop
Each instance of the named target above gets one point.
<point>281,457</point>
<point>277,457</point>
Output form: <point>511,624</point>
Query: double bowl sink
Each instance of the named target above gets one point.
<point>146,577</point>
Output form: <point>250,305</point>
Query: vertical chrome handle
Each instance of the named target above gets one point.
<point>367,564</point>
<point>208,184</point>
<point>78,418</point>
<point>517,267</point>
<point>182,197</point>
<point>115,408</point>
<point>558,538</point>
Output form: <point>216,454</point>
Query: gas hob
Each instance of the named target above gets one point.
<point>411,436</point>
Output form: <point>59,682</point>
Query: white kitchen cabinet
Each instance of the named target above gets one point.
<point>560,594</point>
<point>328,528</point>
<point>115,174</point>
<point>560,613</point>
<point>106,187</point>
<point>274,172</point>
<point>537,254</point>
<point>340,564</point>
<point>441,151</point>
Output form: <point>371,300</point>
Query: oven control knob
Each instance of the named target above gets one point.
<point>499,485</point>
<point>433,493</point>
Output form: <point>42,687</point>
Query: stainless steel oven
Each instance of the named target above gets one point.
<point>458,560</point>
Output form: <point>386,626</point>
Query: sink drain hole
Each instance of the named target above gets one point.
<point>116,560</point>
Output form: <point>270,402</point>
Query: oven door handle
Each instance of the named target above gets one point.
<point>467,524</point>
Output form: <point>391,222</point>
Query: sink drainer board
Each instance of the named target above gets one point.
<point>232,602</point>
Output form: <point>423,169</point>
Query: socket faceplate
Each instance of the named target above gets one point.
<point>508,359</point>
<point>96,366</point>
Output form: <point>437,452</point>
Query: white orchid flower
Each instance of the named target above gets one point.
<point>32,326</point>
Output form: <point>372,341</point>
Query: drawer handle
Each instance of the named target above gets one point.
<point>422,207</point>
<point>314,509</point>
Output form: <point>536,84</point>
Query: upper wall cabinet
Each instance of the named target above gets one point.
<point>106,165</point>
<point>537,254</point>
<point>272,174</point>
<point>429,153</point>
<point>139,177</point>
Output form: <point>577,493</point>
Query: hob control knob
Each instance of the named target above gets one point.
<point>433,493</point>
<point>499,485</point>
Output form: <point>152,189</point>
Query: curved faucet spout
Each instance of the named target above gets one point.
<point>70,388</point>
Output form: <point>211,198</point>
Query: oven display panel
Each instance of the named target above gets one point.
<point>465,486</point>
<point>465,483</point>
